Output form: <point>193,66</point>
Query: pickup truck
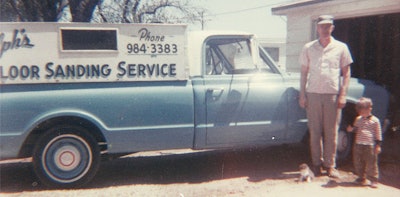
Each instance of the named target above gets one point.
<point>71,93</point>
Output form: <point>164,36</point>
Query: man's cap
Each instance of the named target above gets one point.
<point>325,19</point>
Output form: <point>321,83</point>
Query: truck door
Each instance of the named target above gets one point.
<point>245,104</point>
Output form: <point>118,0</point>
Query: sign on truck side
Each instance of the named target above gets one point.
<point>66,53</point>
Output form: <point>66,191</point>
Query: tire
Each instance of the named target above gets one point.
<point>66,157</point>
<point>345,139</point>
<point>344,146</point>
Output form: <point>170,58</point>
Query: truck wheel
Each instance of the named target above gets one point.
<point>344,146</point>
<point>66,156</point>
<point>345,139</point>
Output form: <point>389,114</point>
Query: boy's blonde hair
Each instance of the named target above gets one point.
<point>364,103</point>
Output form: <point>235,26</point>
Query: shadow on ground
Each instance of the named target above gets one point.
<point>275,163</point>
<point>256,164</point>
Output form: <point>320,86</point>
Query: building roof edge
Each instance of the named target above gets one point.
<point>296,4</point>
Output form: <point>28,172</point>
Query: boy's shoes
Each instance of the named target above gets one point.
<point>332,172</point>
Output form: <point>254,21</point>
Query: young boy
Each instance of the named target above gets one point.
<point>367,146</point>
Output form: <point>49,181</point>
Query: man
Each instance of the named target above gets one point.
<point>323,92</point>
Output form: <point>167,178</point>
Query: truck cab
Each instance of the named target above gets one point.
<point>243,95</point>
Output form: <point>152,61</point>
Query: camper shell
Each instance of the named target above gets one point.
<point>73,53</point>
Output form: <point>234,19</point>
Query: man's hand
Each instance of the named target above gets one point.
<point>302,101</point>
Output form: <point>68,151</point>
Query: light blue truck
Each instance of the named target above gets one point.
<point>72,92</point>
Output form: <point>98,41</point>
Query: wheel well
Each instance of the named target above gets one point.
<point>349,114</point>
<point>27,148</point>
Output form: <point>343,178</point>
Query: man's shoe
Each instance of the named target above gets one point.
<point>361,181</point>
<point>374,184</point>
<point>317,170</point>
<point>332,172</point>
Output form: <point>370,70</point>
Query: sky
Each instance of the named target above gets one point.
<point>252,16</point>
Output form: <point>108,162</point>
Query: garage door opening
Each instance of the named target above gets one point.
<point>374,42</point>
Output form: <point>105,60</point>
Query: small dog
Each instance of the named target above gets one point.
<point>306,174</point>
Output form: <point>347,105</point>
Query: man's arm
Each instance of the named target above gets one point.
<point>344,87</point>
<point>303,82</point>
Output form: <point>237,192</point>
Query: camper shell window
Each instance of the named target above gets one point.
<point>88,39</point>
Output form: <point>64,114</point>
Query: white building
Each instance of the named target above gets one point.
<point>301,16</point>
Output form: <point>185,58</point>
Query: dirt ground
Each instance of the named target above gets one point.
<point>249,172</point>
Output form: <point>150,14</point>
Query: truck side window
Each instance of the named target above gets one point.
<point>216,64</point>
<point>88,39</point>
<point>227,56</point>
<point>265,62</point>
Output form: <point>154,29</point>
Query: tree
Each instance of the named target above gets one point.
<point>148,11</point>
<point>112,11</point>
<point>82,10</point>
<point>46,10</point>
<point>36,10</point>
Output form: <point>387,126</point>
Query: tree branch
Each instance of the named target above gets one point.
<point>16,10</point>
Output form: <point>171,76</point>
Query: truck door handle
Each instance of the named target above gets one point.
<point>215,92</point>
